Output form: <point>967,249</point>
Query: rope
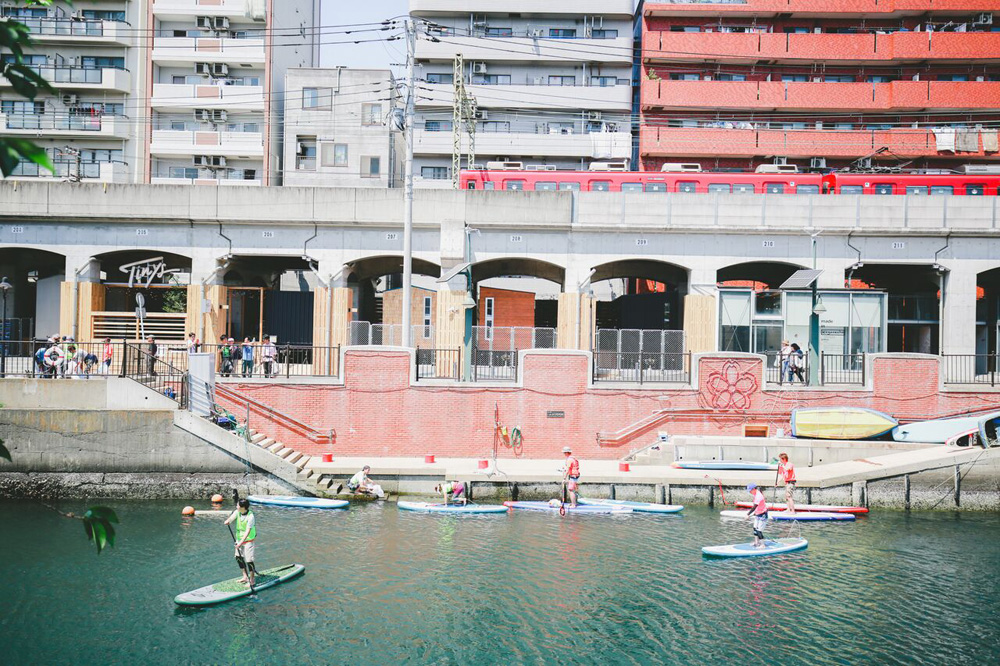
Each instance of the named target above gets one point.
<point>961,477</point>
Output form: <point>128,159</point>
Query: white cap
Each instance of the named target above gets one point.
<point>566,449</point>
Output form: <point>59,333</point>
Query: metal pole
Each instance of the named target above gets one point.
<point>411,39</point>
<point>811,367</point>
<point>3,334</point>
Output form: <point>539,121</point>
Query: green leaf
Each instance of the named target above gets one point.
<point>102,512</point>
<point>4,453</point>
<point>13,150</point>
<point>26,81</point>
<point>97,523</point>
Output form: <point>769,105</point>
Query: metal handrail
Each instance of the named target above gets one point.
<point>309,431</point>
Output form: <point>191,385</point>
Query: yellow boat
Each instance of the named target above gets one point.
<point>840,423</point>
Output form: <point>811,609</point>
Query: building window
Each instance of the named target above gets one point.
<point>488,318</point>
<point>604,34</point>
<point>491,79</point>
<point>795,30</point>
<point>317,98</point>
<point>182,172</point>
<point>684,76</point>
<point>952,77</point>
<point>499,32</point>
<point>435,173</point>
<point>10,107</point>
<point>562,80</point>
<point>305,153</point>
<point>438,125</point>
<point>685,28</point>
<point>562,33</point>
<point>102,62</point>
<point>878,79</point>
<point>496,126</point>
<point>334,154</point>
<point>439,77</point>
<point>604,81</point>
<point>427,318</point>
<point>371,114</point>
<point>838,78</point>
<point>794,77</point>
<point>371,166</point>
<point>732,77</point>
<point>104,14</point>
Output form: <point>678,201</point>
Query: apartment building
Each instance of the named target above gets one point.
<point>859,83</point>
<point>341,128</point>
<point>551,82</point>
<point>161,91</point>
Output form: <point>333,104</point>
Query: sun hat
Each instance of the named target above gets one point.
<point>751,486</point>
<point>566,449</point>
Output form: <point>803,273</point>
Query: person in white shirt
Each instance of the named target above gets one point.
<point>360,483</point>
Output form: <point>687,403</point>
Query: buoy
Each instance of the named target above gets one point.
<point>429,458</point>
<point>217,498</point>
<point>484,464</point>
<point>187,511</point>
<point>622,467</point>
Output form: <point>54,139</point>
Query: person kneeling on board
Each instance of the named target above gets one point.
<point>246,533</point>
<point>787,472</point>
<point>571,475</point>
<point>454,489</point>
<point>759,513</point>
<point>360,483</point>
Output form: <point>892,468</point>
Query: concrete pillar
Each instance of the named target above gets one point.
<point>701,310</point>
<point>331,315</point>
<point>958,312</point>
<point>449,331</point>
<point>577,321</point>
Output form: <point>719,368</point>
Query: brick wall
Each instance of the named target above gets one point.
<point>378,412</point>
<point>510,308</point>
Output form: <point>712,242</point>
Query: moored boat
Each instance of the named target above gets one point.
<point>840,423</point>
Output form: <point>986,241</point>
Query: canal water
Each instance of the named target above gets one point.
<point>383,586</point>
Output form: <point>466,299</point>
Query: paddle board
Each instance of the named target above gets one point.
<point>840,423</point>
<point>300,502</point>
<point>580,508</point>
<point>430,507</point>
<point>967,438</point>
<point>937,431</point>
<point>724,464</point>
<point>642,507</point>
<point>771,547</point>
<point>826,508</point>
<point>805,516</point>
<point>988,427</point>
<point>234,589</point>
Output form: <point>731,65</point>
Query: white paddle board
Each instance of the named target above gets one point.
<point>770,547</point>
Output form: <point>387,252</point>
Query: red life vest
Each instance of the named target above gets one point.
<point>572,466</point>
<point>787,472</point>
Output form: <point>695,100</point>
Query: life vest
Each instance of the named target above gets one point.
<point>573,468</point>
<point>241,527</point>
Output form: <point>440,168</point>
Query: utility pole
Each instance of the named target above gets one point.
<point>411,42</point>
<point>463,118</point>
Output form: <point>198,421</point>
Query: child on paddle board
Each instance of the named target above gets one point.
<point>759,513</point>
<point>455,489</point>
<point>786,471</point>
<point>571,475</point>
<point>246,533</point>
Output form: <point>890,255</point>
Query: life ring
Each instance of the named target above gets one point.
<point>54,357</point>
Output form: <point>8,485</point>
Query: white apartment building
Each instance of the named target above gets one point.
<point>551,80</point>
<point>340,129</point>
<point>161,91</point>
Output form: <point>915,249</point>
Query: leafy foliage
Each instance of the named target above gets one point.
<point>175,300</point>
<point>97,523</point>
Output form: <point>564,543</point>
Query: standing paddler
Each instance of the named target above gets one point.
<point>246,533</point>
<point>571,475</point>
<point>758,510</point>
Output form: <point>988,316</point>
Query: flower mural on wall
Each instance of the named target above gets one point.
<point>731,387</point>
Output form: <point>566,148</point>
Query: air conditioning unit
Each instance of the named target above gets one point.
<point>220,22</point>
<point>984,19</point>
<point>204,22</point>
<point>687,167</point>
<point>220,69</point>
<point>981,169</point>
<point>70,100</point>
<point>608,166</point>
<point>594,115</point>
<point>479,68</point>
<point>817,163</point>
<point>505,166</point>
<point>777,168</point>
<point>219,116</point>
<point>202,114</point>
<point>203,68</point>
<point>482,114</point>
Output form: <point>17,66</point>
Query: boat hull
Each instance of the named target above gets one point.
<point>840,423</point>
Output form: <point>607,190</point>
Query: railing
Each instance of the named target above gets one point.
<point>786,369</point>
<point>165,326</point>
<point>62,360</point>
<point>63,169</point>
<point>69,74</point>
<point>59,26</point>
<point>43,121</point>
<point>842,369</point>
<point>140,365</point>
<point>284,362</point>
<point>642,367</point>
<point>969,368</point>
<point>438,364</point>
<point>284,422</point>
<point>18,328</point>
<point>495,366</point>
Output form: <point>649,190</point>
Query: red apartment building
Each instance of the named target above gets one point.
<point>734,84</point>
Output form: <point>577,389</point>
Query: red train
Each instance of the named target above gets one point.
<point>974,184</point>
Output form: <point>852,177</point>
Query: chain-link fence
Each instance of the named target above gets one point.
<point>495,348</point>
<point>366,333</point>
<point>633,354</point>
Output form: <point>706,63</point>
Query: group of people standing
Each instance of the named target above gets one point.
<point>792,361</point>
<point>248,359</point>
<point>62,357</point>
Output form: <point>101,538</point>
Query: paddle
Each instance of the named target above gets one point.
<point>240,561</point>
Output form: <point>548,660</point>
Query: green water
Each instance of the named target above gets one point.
<point>384,586</point>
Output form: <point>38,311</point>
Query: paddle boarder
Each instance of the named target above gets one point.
<point>246,534</point>
<point>454,489</point>
<point>786,471</point>
<point>360,483</point>
<point>759,512</point>
<point>571,475</point>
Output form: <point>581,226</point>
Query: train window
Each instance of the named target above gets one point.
<point>720,187</point>
<point>545,186</point>
<point>471,185</point>
<point>852,189</point>
<point>807,189</point>
<point>942,189</point>
<point>743,188</point>
<point>656,187</point>
<point>600,186</point>
<point>570,187</point>
<point>513,185</point>
<point>975,189</point>
<point>774,188</point>
<point>631,187</point>
<point>916,189</point>
<point>489,186</point>
<point>687,186</point>
<point>883,188</point>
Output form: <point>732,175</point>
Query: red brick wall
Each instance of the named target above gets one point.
<point>510,308</point>
<point>378,412</point>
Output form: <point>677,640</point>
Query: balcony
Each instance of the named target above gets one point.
<point>608,8</point>
<point>966,47</point>
<point>185,50</point>
<point>87,172</point>
<point>897,95</point>
<point>230,144</point>
<point>51,30</point>
<point>597,98</point>
<point>62,125</point>
<point>233,9</point>
<point>66,78</point>
<point>183,96</point>
<point>595,145</point>
<point>717,142</point>
<point>617,51</point>
<point>825,8</point>
<point>208,180</point>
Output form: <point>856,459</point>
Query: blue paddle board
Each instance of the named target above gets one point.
<point>771,547</point>
<point>429,507</point>
<point>301,502</point>
<point>814,516</point>
<point>566,508</point>
<point>937,431</point>
<point>231,589</point>
<point>724,464</point>
<point>642,507</point>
